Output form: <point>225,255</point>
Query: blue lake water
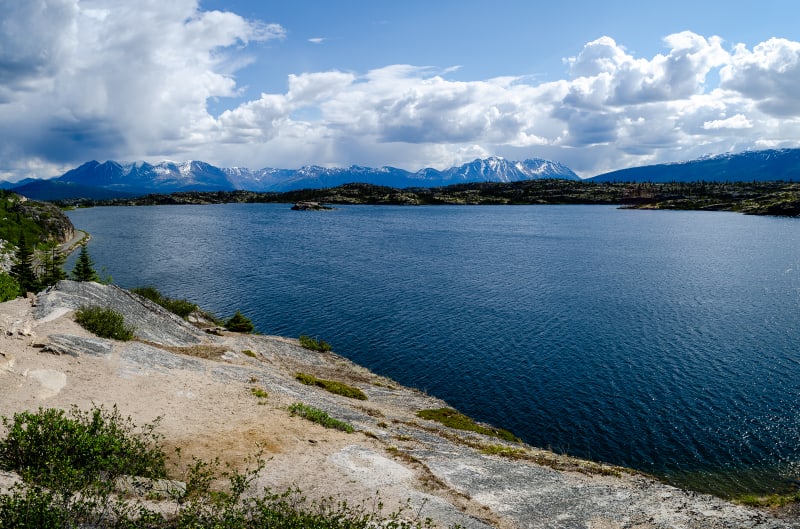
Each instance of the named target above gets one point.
<point>664,341</point>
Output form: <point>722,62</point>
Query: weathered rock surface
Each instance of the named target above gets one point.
<point>151,322</point>
<point>201,387</point>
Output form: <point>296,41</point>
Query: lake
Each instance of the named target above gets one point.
<point>660,340</point>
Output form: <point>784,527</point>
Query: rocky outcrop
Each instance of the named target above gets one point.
<point>309,206</point>
<point>201,385</point>
<point>151,322</point>
<point>49,217</point>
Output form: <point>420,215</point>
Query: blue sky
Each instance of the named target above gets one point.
<point>595,85</point>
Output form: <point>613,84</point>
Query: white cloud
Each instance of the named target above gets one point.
<point>317,40</point>
<point>739,121</point>
<point>111,79</point>
<point>769,75</point>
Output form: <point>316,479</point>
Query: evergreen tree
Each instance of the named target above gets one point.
<point>84,270</point>
<point>22,269</point>
<point>239,323</point>
<point>52,261</point>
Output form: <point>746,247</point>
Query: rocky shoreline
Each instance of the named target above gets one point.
<point>202,384</point>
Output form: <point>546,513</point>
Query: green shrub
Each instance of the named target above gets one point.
<point>9,287</point>
<point>314,344</point>
<point>459,421</point>
<point>104,322</point>
<point>33,508</point>
<point>333,386</point>
<point>49,446</point>
<point>258,392</point>
<point>84,267</point>
<point>239,323</point>
<point>59,450</point>
<point>320,417</point>
<point>181,307</point>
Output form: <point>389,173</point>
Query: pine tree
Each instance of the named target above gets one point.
<point>84,270</point>
<point>239,323</point>
<point>52,260</point>
<point>22,269</point>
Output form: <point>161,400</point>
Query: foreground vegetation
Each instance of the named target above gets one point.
<point>759,198</point>
<point>104,322</point>
<point>72,465</point>
<point>332,386</point>
<point>180,307</point>
<point>459,421</point>
<point>320,417</point>
<point>30,234</point>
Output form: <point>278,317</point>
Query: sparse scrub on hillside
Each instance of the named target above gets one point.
<point>68,462</point>
<point>314,344</point>
<point>70,450</point>
<point>9,287</point>
<point>454,419</point>
<point>332,386</point>
<point>320,417</point>
<point>181,307</point>
<point>104,322</point>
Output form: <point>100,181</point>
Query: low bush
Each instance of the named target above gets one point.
<point>332,386</point>
<point>320,417</point>
<point>9,287</point>
<point>50,448</point>
<point>104,322</point>
<point>454,419</point>
<point>314,344</point>
<point>59,450</point>
<point>239,323</point>
<point>181,307</point>
<point>258,392</point>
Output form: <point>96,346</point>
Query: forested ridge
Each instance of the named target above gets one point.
<point>758,198</point>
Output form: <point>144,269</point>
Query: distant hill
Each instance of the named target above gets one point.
<point>111,179</point>
<point>57,190</point>
<point>749,166</point>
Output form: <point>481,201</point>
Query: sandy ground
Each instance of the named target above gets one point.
<point>200,386</point>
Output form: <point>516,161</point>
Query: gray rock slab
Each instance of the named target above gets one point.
<point>537,497</point>
<point>140,359</point>
<point>77,346</point>
<point>151,321</point>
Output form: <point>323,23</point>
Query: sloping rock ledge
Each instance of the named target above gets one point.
<point>201,387</point>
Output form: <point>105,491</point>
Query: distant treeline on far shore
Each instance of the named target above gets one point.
<point>756,198</point>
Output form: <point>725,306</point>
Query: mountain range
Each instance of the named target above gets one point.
<point>748,166</point>
<point>103,180</point>
<point>111,179</point>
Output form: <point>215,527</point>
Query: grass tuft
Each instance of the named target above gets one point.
<point>459,421</point>
<point>332,386</point>
<point>258,392</point>
<point>320,417</point>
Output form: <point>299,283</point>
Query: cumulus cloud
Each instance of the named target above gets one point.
<point>739,121</point>
<point>104,79</point>
<point>110,79</point>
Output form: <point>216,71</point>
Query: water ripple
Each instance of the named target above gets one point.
<point>665,341</point>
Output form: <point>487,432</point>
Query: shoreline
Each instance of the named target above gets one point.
<point>80,237</point>
<point>201,384</point>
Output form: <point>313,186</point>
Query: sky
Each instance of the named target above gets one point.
<point>597,86</point>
